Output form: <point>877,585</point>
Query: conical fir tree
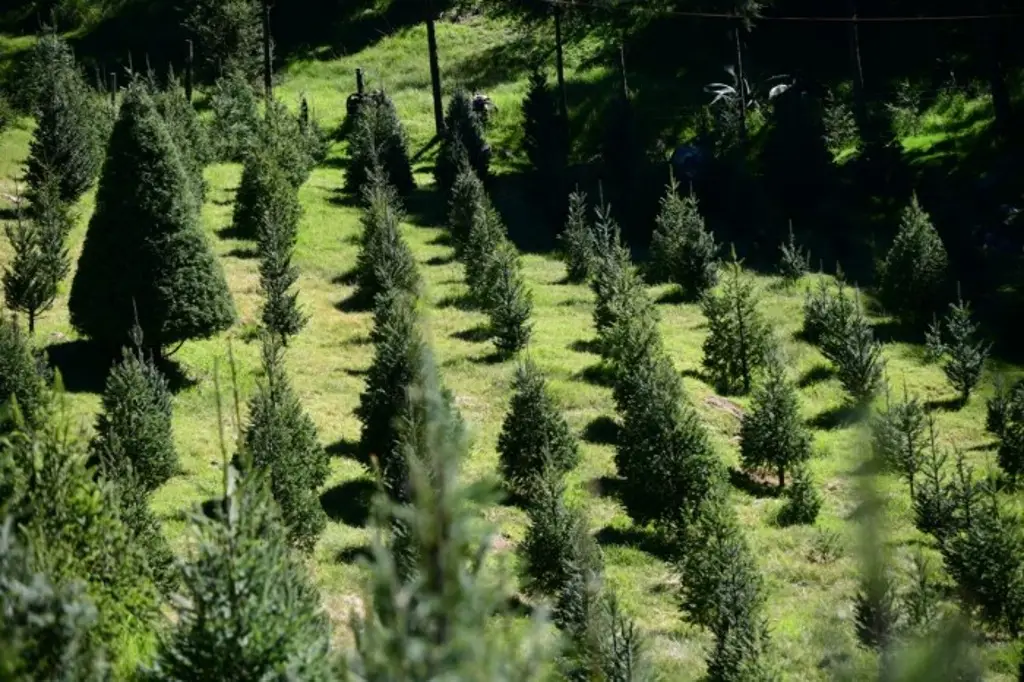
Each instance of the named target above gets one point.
<point>67,141</point>
<point>435,618</point>
<point>275,241</point>
<point>858,358</point>
<point>912,277</point>
<point>133,431</point>
<point>955,340</point>
<point>281,441</point>
<point>21,380</point>
<point>738,338</point>
<point>578,241</point>
<point>510,302</point>
<point>41,260</point>
<point>899,436</point>
<point>384,261</point>
<point>378,137</point>
<point>487,237</point>
<point>186,130</point>
<point>534,432</point>
<point>546,145</point>
<point>682,250</point>
<point>280,135</point>
<point>145,250</point>
<point>264,193</point>
<point>466,206</point>
<point>462,128</point>
<point>803,501</point>
<point>47,630</point>
<point>251,611</point>
<point>795,261</point>
<point>772,433</point>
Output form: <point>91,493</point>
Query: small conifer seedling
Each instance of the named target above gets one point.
<point>577,239</point>
<point>955,340</point>
<point>794,261</point>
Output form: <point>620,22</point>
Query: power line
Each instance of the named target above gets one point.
<point>623,5</point>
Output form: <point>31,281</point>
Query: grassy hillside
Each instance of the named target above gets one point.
<point>810,572</point>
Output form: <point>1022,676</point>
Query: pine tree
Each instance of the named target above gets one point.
<point>877,611</point>
<point>41,260</point>
<point>858,359</point>
<point>277,232</point>
<point>827,315</point>
<point>558,541</point>
<point>21,381</point>
<point>280,135</point>
<point>187,131</point>
<point>251,610</point>
<point>803,501</point>
<point>545,143</point>
<point>466,206</point>
<point>1005,406</point>
<point>316,140</point>
<point>264,194</point>
<point>281,440</point>
<point>133,431</point>
<point>385,260</point>
<point>772,433</point>
<point>67,141</point>
<point>487,237</point>
<point>510,303</point>
<point>131,499</point>
<point>72,520</point>
<point>898,436</point>
<point>682,250</point>
<point>795,260</point>
<point>935,509</point>
<point>236,117</point>
<point>578,242</point>
<point>46,632</point>
<point>955,339</point>
<point>913,275</point>
<point>462,127</point>
<point>145,250</point>
<point>435,618</point>
<point>534,431</point>
<point>229,36</point>
<point>378,137</point>
<point>738,338</point>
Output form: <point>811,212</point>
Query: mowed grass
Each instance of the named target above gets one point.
<point>810,571</point>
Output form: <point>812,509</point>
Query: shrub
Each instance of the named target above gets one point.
<point>795,260</point>
<point>187,131</point>
<point>316,141</point>
<point>898,436</point>
<point>577,239</point>
<point>378,138</point>
<point>21,380</point>
<point>682,250</point>
<point>510,302</point>
<point>912,277</point>
<point>1005,406</point>
<point>277,231</point>
<point>462,128</point>
<point>468,205</point>
<point>384,261</point>
<point>858,358</point>
<point>487,237</point>
<point>827,315</point>
<point>236,118</point>
<point>229,37</point>
<point>803,501</point>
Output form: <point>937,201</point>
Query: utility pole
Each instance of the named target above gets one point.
<point>860,106</point>
<point>560,64</point>
<point>435,70</point>
<point>268,77</point>
<point>188,70</point>
<point>742,84</point>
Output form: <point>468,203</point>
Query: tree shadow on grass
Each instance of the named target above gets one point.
<point>674,296</point>
<point>893,331</point>
<point>602,431</point>
<point>457,301</point>
<point>442,239</point>
<point>477,334</point>
<point>353,554</point>
<point>344,448</point>
<point>642,539</point>
<point>83,365</point>
<point>953,404</point>
<point>599,374</point>
<point>231,232</point>
<point>606,486</point>
<point>493,358</point>
<point>834,418</point>
<point>591,346</point>
<point>743,480</point>
<point>356,302</point>
<point>440,260</point>
<point>350,502</point>
<point>347,278</point>
<point>816,375</point>
<point>354,372</point>
<point>244,253</point>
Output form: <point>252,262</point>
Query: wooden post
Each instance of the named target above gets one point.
<point>188,70</point>
<point>268,78</point>
<point>622,69</point>
<point>860,106</point>
<point>560,64</point>
<point>113,92</point>
<point>742,87</point>
<point>435,72</point>
<point>360,85</point>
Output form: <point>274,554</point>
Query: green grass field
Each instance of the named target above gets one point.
<point>810,588</point>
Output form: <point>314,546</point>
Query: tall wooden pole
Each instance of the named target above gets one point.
<point>560,64</point>
<point>742,85</point>
<point>860,103</point>
<point>435,71</point>
<point>268,77</point>
<point>188,70</point>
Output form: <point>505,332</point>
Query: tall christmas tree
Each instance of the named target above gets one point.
<point>145,250</point>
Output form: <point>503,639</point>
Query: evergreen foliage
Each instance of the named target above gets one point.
<point>436,618</point>
<point>682,250</point>
<point>935,509</point>
<point>534,433</point>
<point>578,241</point>
<point>898,436</point>
<point>264,195</point>
<point>68,139</point>
<point>280,135</point>
<point>858,358</point>
<point>545,143</point>
<point>803,501</point>
<point>378,138</point>
<point>827,315</point>
<point>772,433</point>
<point>605,643</point>
<point>72,521</point>
<point>281,440</point>
<point>131,499</point>
<point>145,250</point>
<point>187,131</point>
<point>229,36</point>
<point>133,431</point>
<point>467,206</point>
<point>558,540</point>
<point>316,140</point>
<point>45,630</point>
<point>876,611</point>
<point>40,253</point>
<point>251,611</point>
<point>277,231</point>
<point>1006,420</point>
<point>487,239</point>
<point>738,339</point>
<point>462,127</point>
<point>510,302</point>
<point>913,276</point>
<point>385,260</point>
<point>955,338</point>
<point>1005,406</point>
<point>236,116</point>
<point>795,260</point>
<point>21,379</point>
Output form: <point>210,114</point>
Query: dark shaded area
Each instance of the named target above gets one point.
<point>83,365</point>
<point>343,448</point>
<point>834,418</point>
<point>459,301</point>
<point>440,260</point>
<point>351,555</point>
<point>674,296</point>
<point>356,302</point>
<point>358,341</point>
<point>953,404</point>
<point>230,232</point>
<point>606,486</point>
<point>600,374</point>
<point>245,253</point>
<point>355,372</point>
<point>743,480</point>
<point>347,278</point>
<point>350,502</point>
<point>645,540</point>
<point>602,430</point>
<point>477,334</point>
<point>492,358</point>
<point>591,346</point>
<point>518,607</point>
<point>816,375</point>
<point>892,331</point>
